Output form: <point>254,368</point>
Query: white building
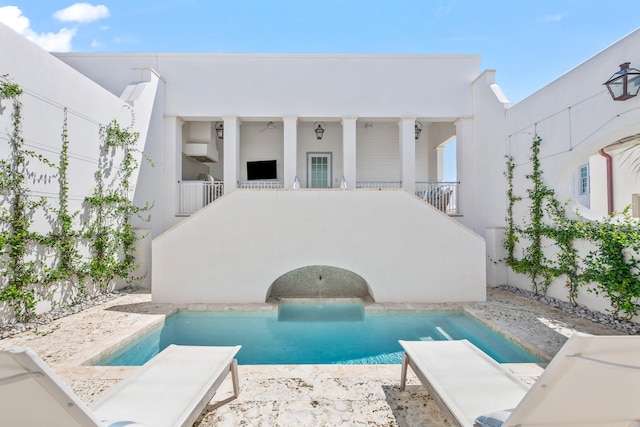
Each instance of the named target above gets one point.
<point>270,206</point>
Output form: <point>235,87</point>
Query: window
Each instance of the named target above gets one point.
<point>584,179</point>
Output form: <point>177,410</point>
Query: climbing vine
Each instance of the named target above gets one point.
<point>21,269</point>
<point>611,269</point>
<point>565,232</point>
<point>615,266</point>
<point>110,209</point>
<point>27,272</point>
<point>533,262</point>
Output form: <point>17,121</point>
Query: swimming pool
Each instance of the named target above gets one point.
<point>316,334</point>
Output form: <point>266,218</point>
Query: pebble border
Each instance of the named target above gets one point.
<point>608,320</point>
<point>15,327</point>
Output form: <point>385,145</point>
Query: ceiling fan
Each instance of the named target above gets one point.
<point>269,126</point>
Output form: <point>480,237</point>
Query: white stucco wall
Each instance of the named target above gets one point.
<point>625,178</point>
<point>234,249</point>
<point>259,88</point>
<point>275,85</point>
<point>51,86</point>
<point>575,117</point>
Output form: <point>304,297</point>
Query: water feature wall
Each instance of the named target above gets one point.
<point>319,281</point>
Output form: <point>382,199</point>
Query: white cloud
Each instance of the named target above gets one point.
<point>13,17</point>
<point>551,18</point>
<point>55,42</point>
<point>82,12</point>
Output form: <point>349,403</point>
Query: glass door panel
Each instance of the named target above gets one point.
<point>319,170</point>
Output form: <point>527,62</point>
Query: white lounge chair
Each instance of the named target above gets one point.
<point>592,381</point>
<point>172,389</point>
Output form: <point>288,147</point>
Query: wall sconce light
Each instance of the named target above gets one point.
<point>318,128</point>
<point>624,84</point>
<point>220,130</point>
<point>418,129</point>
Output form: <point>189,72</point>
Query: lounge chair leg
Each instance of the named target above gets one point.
<point>403,374</point>
<point>234,378</point>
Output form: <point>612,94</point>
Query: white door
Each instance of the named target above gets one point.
<point>319,170</point>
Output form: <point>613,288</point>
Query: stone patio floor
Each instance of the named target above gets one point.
<point>294,395</point>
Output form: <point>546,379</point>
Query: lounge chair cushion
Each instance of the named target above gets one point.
<point>493,419</point>
<point>111,423</point>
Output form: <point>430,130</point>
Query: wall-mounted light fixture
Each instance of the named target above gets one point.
<point>624,84</point>
<point>418,129</point>
<point>318,128</point>
<point>220,130</point>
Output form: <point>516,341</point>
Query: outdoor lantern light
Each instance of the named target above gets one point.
<point>624,84</point>
<point>318,128</point>
<point>418,129</point>
<point>220,130</point>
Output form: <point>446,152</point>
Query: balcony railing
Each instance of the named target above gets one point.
<point>378,184</point>
<point>194,195</point>
<point>260,185</point>
<point>442,195</point>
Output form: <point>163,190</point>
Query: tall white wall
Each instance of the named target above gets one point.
<point>625,177</point>
<point>377,153</point>
<point>51,86</point>
<point>575,117</point>
<point>234,249</point>
<point>276,85</point>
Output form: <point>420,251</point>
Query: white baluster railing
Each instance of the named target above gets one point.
<point>260,185</point>
<point>378,184</point>
<point>195,195</point>
<point>442,195</point>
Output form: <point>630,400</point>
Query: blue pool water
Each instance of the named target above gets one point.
<point>316,334</point>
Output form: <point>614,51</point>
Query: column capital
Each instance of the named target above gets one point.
<point>348,119</point>
<point>407,119</point>
<point>231,118</point>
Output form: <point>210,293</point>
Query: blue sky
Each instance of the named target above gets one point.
<point>528,42</point>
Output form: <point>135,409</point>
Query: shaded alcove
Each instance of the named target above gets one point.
<point>319,281</point>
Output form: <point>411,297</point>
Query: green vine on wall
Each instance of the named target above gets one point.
<point>109,231</point>
<point>611,269</point>
<point>26,276</point>
<point>533,262</point>
<point>615,266</point>
<point>63,237</point>
<point>21,271</point>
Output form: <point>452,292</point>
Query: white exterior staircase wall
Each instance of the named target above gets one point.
<point>235,248</point>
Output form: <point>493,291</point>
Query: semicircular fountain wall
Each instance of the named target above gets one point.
<point>319,281</point>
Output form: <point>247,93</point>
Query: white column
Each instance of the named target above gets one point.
<point>290,150</point>
<point>231,153</point>
<point>407,127</point>
<point>349,150</point>
<point>172,167</point>
<point>465,169</point>
<point>439,163</point>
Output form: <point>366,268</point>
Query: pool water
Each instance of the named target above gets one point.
<point>317,334</point>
